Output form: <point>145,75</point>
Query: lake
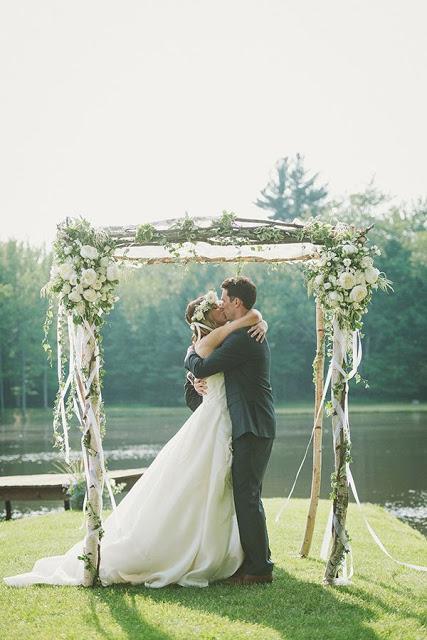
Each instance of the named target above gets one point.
<point>388,448</point>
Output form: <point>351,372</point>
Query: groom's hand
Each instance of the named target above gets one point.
<point>201,386</point>
<point>258,331</point>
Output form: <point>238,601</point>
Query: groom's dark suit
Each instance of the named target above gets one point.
<point>246,366</point>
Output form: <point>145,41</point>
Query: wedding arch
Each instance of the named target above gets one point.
<point>339,271</point>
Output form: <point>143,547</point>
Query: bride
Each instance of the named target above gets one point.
<point>177,524</point>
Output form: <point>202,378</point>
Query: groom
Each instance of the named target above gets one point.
<point>246,366</point>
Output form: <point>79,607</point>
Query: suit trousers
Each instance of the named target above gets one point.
<point>250,458</point>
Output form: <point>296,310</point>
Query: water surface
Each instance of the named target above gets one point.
<point>388,448</point>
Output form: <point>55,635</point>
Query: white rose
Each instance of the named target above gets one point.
<point>73,279</point>
<point>66,288</point>
<point>347,262</point>
<point>54,271</point>
<point>112,271</point>
<point>318,279</point>
<point>104,262</point>
<point>97,285</point>
<point>371,275</point>
<point>87,251</point>
<point>360,278</point>
<point>358,293</point>
<point>366,262</point>
<point>334,298</point>
<point>346,280</point>
<point>68,250</point>
<point>66,270</point>
<point>74,296</point>
<point>327,285</point>
<point>90,295</point>
<point>81,308</point>
<point>88,277</point>
<point>348,249</point>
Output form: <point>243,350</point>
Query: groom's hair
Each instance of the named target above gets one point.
<point>242,288</point>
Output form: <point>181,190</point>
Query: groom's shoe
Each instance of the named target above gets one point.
<point>236,578</point>
<point>252,579</point>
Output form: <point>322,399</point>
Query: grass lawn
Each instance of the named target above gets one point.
<point>384,601</point>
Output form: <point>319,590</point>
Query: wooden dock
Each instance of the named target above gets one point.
<point>52,486</point>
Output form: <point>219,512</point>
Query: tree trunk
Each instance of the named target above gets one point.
<point>341,448</point>
<point>23,384</point>
<point>317,439</point>
<point>2,407</point>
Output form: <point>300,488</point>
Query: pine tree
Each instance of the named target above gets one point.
<point>292,193</point>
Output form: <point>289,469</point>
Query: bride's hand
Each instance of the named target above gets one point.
<point>258,331</point>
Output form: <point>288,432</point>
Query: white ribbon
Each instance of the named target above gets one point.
<point>79,337</point>
<point>63,388</point>
<point>325,390</point>
<point>375,537</point>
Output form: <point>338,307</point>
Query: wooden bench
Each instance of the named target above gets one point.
<point>52,486</point>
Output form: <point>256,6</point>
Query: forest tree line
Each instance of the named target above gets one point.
<point>146,337</point>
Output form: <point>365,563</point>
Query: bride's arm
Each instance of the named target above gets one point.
<point>208,343</point>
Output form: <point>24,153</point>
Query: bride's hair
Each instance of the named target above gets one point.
<point>189,313</point>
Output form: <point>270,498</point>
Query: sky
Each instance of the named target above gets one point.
<point>134,110</point>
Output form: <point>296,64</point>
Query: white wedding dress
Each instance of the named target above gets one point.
<point>177,524</point>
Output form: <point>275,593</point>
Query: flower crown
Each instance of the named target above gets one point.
<point>209,301</point>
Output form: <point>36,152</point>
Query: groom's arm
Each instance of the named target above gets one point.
<point>233,352</point>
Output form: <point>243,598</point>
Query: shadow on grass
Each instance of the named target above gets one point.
<point>122,603</point>
<point>291,607</point>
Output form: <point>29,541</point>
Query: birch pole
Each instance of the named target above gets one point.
<point>89,399</point>
<point>319,362</point>
<point>340,544</point>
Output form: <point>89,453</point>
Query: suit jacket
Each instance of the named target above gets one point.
<point>246,366</point>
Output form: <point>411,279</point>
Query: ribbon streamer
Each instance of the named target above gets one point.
<point>325,390</point>
<point>79,338</point>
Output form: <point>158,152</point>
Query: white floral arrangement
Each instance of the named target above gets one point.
<point>344,276</point>
<point>209,301</point>
<point>84,274</point>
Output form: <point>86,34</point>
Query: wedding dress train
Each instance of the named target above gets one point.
<point>177,524</point>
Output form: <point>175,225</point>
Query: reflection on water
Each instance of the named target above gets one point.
<point>388,450</point>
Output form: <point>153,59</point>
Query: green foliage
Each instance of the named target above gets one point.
<point>145,233</point>
<point>146,336</point>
